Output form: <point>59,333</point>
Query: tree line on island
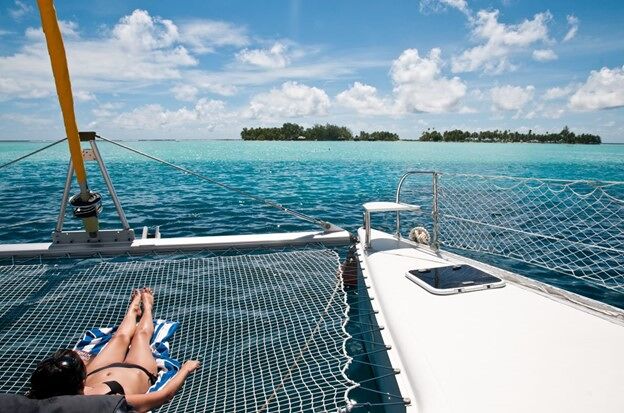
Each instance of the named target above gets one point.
<point>506,136</point>
<point>328,132</point>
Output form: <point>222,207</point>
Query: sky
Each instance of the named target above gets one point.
<point>206,69</point>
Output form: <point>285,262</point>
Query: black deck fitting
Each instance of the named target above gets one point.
<point>87,136</point>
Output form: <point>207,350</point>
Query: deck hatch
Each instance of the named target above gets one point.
<point>454,279</point>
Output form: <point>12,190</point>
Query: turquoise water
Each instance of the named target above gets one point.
<point>329,180</point>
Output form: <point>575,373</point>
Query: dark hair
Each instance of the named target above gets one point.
<point>63,373</point>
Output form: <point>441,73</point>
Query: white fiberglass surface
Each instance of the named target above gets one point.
<point>508,349</point>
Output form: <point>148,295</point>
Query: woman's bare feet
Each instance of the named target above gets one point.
<point>135,303</point>
<point>147,297</point>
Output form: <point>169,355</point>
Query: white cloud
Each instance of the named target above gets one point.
<point>69,30</point>
<point>557,92</point>
<point>363,98</point>
<point>212,82</point>
<point>275,57</point>
<point>106,110</point>
<point>203,36</point>
<point>553,112</point>
<point>140,49</point>
<point>291,100</point>
<point>20,10</point>
<point>603,89</point>
<point>24,88</point>
<point>419,85</point>
<point>140,31</point>
<point>477,94</point>
<point>467,110</point>
<point>227,81</point>
<point>185,93</point>
<point>219,88</point>
<point>499,41</point>
<point>573,23</point>
<point>458,4</point>
<point>205,114</point>
<point>546,112</point>
<point>441,5</point>
<point>27,120</point>
<point>83,96</point>
<point>511,97</point>
<point>544,55</point>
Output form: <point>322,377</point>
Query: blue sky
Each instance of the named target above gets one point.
<point>206,69</point>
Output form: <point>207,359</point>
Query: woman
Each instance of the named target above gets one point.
<point>124,366</point>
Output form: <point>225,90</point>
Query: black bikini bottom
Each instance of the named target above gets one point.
<point>152,378</point>
<point>115,387</point>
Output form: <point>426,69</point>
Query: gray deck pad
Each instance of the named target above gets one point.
<point>268,328</point>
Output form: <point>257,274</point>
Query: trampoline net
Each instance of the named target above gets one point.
<point>268,328</point>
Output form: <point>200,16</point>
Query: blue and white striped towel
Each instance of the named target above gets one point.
<point>95,339</point>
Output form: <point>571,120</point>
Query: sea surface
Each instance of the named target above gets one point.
<point>328,180</point>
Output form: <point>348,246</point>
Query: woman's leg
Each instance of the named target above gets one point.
<point>140,352</point>
<point>116,349</point>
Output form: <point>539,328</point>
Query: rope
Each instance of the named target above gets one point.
<point>32,153</point>
<point>569,227</point>
<point>524,178</point>
<point>300,215</point>
<point>295,364</point>
<point>534,234</point>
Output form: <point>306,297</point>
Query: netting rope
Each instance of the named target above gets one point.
<point>567,226</point>
<point>268,327</point>
<point>295,364</point>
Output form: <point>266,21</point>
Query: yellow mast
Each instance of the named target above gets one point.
<point>58,60</point>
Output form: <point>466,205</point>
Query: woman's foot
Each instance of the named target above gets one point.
<point>147,297</point>
<point>135,303</point>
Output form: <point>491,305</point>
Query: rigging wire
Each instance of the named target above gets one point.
<point>32,153</point>
<point>325,225</point>
<point>33,221</point>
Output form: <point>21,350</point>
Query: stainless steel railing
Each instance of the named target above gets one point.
<point>435,212</point>
<point>574,227</point>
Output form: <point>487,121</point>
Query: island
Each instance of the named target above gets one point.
<point>506,136</point>
<point>328,132</point>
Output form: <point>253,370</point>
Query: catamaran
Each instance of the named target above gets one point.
<point>283,321</point>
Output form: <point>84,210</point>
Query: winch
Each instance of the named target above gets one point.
<point>88,210</point>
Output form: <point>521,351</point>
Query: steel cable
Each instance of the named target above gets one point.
<point>32,153</point>
<point>325,225</point>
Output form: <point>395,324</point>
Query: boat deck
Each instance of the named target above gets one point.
<point>513,349</point>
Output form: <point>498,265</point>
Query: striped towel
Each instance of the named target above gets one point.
<point>95,339</point>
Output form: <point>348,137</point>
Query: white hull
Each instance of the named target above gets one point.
<point>150,245</point>
<point>526,347</point>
